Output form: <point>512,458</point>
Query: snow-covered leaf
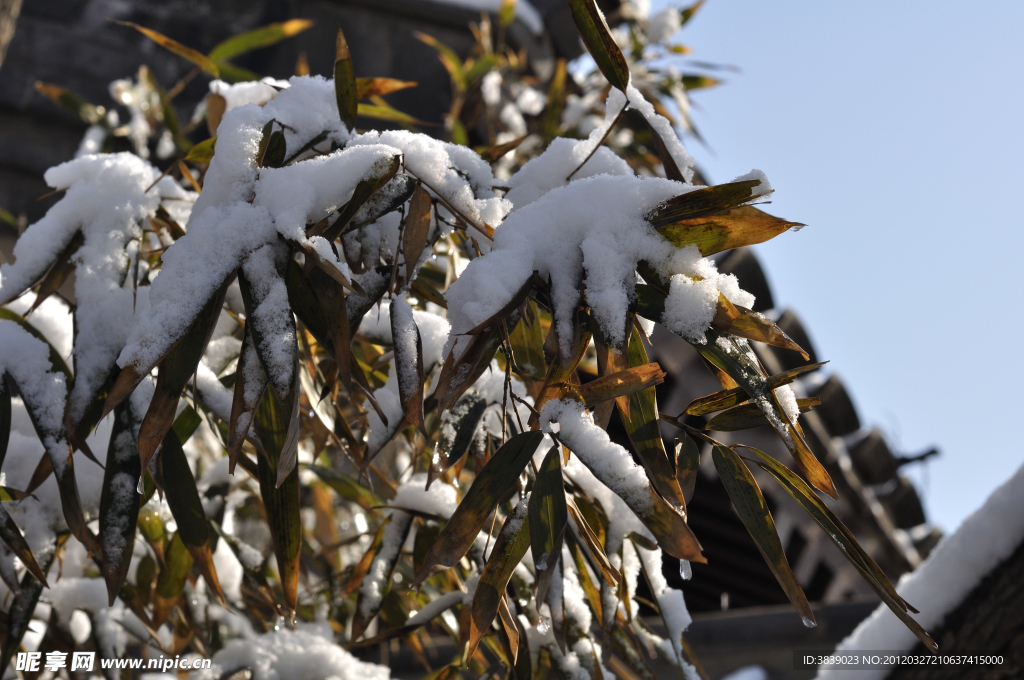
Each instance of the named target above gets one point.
<point>365,190</point>
<point>408,346</point>
<point>459,426</point>
<point>250,383</point>
<point>20,613</point>
<point>491,484</point>
<point>119,502</point>
<point>745,323</point>
<point>377,582</point>
<point>747,416</point>
<point>728,398</point>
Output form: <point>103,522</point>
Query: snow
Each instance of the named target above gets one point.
<point>524,11</point>
<point>106,199</point>
<point>438,605</point>
<point>272,315</point>
<point>304,654</point>
<point>957,564</point>
<point>748,673</point>
<point>240,94</point>
<point>439,500</point>
<point>670,602</point>
<point>406,339</point>
<point>663,25</point>
<point>375,583</point>
<point>434,329</point>
<point>609,462</point>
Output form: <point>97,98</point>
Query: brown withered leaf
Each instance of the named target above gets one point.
<point>417,229</point>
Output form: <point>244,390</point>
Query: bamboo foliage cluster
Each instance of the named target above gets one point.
<point>477,512</point>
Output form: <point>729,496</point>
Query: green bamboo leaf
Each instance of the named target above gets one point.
<point>176,369</point>
<point>687,464</point>
<point>152,529</point>
<point>69,101</point>
<point>345,90</point>
<point>641,423</point>
<point>598,38</point>
<point>408,348</point>
<point>12,538</point>
<point>491,483</point>
<point>552,121</point>
<point>169,585</point>
<point>264,36</point>
<point>481,67</point>
<point>119,502</point>
<point>5,419</point>
<point>844,540</point>
<point>384,111</point>
<point>202,152</point>
<point>20,613</point>
<point>506,12</point>
<point>548,519</point>
<point>458,429</point>
<point>281,500</point>
<point>347,487</point>
<point>187,508</point>
<point>334,307</point>
<point>737,360</point>
<point>175,47</point>
<point>753,511</point>
<point>747,416</point>
<point>704,202</point>
<point>734,228</point>
<point>235,74</point>
<point>509,549</point>
<point>728,398</point>
<point>448,57</point>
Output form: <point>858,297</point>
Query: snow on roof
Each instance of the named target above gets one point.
<point>524,10</point>
<point>958,564</point>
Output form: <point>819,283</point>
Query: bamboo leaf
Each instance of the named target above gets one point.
<point>548,519</point>
<point>250,383</point>
<point>746,323</point>
<point>493,153</point>
<point>20,613</point>
<point>383,111</point>
<point>59,272</point>
<point>5,419</point>
<point>448,57</point>
<point>176,368</point>
<point>458,375</point>
<point>593,541</point>
<point>753,511</point>
<point>361,568</point>
<point>203,151</point>
<point>345,90</point>
<point>364,191</point>
<point>119,502</point>
<point>69,101</point>
<point>687,464</point>
<point>334,306</point>
<point>621,384</point>
<point>417,230</point>
<point>169,585</point>
<point>728,398</point>
<point>552,121</point>
<point>602,47</point>
<point>459,425</point>
<point>491,483</point>
<point>506,12</point>
<point>641,423</point>
<point>509,549</point>
<point>735,228</point>
<point>408,346</point>
<point>281,500</point>
<point>264,36</point>
<point>704,202</point>
<point>347,487</point>
<point>739,362</point>
<point>187,508</point>
<point>12,538</point>
<point>747,416</point>
<point>175,47</point>
<point>844,540</point>
<point>378,87</point>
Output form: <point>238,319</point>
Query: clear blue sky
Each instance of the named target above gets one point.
<point>894,130</point>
